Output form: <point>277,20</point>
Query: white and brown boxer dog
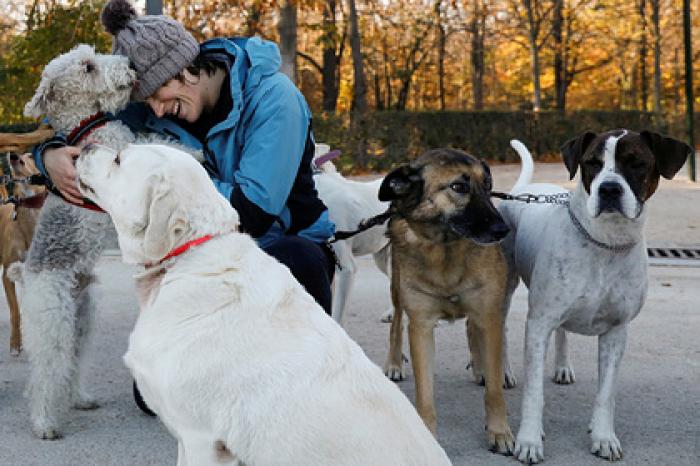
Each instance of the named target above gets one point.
<point>585,264</point>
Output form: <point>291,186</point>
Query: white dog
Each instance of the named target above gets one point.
<point>349,202</point>
<point>238,361</point>
<point>77,92</point>
<point>585,264</point>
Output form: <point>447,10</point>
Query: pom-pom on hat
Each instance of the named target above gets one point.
<point>158,47</point>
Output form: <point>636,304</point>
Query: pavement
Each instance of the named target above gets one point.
<point>658,401</point>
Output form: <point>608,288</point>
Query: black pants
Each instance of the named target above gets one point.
<point>312,264</point>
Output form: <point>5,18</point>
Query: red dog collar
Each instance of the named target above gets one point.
<point>181,249</point>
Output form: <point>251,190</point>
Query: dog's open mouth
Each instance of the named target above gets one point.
<point>84,187</point>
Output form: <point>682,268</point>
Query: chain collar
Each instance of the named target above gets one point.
<point>614,248</point>
<point>563,199</point>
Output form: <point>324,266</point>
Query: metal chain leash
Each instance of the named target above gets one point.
<point>563,199</point>
<point>556,198</point>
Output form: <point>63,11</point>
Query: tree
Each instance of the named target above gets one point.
<point>442,41</point>
<point>477,30</point>
<point>287,28</point>
<point>656,32</point>
<point>52,29</point>
<point>333,45</point>
<point>359,96</point>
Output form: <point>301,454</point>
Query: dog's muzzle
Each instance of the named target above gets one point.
<point>483,230</point>
<point>609,197</point>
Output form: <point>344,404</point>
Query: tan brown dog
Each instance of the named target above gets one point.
<point>446,265</point>
<point>16,231</point>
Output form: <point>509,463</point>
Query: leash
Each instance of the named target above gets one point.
<point>557,198</point>
<point>30,202</point>
<point>365,224</point>
<point>563,199</point>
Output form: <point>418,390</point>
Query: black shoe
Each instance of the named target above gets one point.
<point>140,403</point>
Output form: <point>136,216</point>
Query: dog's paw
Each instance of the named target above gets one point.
<point>529,449</point>
<point>564,375</point>
<point>606,446</point>
<point>477,373</point>
<point>85,402</point>
<point>501,442</point>
<point>47,430</point>
<point>15,352</point>
<point>388,316</point>
<point>394,372</point>
<point>509,380</point>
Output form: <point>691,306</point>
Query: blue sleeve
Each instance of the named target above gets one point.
<point>58,140</point>
<point>275,138</point>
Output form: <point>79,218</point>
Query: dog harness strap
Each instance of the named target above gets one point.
<point>80,132</point>
<point>87,126</point>
<point>181,249</point>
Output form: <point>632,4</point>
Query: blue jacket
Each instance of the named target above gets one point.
<point>260,156</point>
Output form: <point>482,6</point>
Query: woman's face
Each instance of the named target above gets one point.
<point>182,99</point>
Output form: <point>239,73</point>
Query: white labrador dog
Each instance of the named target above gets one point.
<point>237,360</point>
<point>349,202</point>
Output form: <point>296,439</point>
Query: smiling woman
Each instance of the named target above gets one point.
<point>188,96</point>
<point>228,98</point>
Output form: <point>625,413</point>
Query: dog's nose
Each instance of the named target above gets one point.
<point>609,190</point>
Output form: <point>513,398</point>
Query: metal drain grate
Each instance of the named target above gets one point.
<point>689,257</point>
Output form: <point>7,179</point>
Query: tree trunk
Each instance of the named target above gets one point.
<point>644,81</point>
<point>387,77</point>
<point>331,59</point>
<point>559,70</point>
<point>442,40</point>
<point>252,23</point>
<point>476,28</point>
<point>534,56</point>
<point>655,19</point>
<point>287,28</point>
<point>378,100</point>
<point>359,95</point>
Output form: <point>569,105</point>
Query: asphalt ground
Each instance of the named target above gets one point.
<point>658,401</point>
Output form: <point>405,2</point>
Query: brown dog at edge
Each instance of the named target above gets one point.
<point>16,232</point>
<point>446,264</point>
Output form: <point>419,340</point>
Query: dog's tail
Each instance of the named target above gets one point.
<point>527,168</point>
<point>15,272</point>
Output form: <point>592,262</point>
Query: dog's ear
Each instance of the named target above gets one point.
<point>167,222</point>
<point>573,149</point>
<point>400,183</point>
<point>670,154</point>
<point>38,106</point>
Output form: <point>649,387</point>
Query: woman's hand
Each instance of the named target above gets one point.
<point>60,166</point>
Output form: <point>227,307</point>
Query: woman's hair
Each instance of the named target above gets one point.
<point>203,63</point>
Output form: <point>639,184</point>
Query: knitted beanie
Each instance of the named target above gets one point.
<point>158,47</point>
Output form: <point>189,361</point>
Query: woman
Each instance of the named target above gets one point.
<point>227,97</point>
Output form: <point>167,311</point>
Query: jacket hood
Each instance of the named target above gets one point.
<point>263,57</point>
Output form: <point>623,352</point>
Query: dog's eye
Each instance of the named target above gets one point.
<point>89,67</point>
<point>117,160</point>
<point>459,187</point>
<point>594,164</point>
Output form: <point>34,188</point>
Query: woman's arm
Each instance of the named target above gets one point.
<point>275,138</point>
